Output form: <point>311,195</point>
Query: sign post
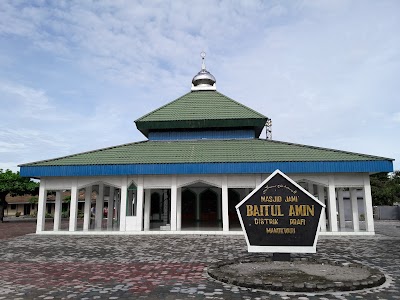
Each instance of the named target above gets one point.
<point>280,217</point>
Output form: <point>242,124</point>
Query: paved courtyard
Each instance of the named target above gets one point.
<point>166,267</point>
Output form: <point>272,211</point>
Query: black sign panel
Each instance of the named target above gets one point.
<point>280,213</point>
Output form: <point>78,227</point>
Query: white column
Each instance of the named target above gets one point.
<point>99,206</point>
<point>225,213</point>
<point>179,209</point>
<point>332,205</point>
<point>117,208</point>
<point>147,203</point>
<point>257,179</point>
<point>311,188</point>
<point>88,204</point>
<point>342,221</point>
<point>354,210</point>
<point>41,212</point>
<point>369,214</point>
<point>122,210</point>
<point>139,203</point>
<point>174,192</point>
<point>321,197</point>
<point>57,211</point>
<point>110,213</point>
<point>73,211</point>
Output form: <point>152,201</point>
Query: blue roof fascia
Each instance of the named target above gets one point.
<point>374,166</point>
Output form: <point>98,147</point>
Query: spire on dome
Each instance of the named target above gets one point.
<point>203,56</point>
<point>204,80</point>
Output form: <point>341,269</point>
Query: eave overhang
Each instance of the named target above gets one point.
<point>366,166</point>
<point>146,127</point>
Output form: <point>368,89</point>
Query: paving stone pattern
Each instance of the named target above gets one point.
<point>167,267</point>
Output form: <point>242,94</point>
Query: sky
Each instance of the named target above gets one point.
<point>75,75</point>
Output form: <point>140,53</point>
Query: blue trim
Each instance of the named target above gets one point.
<point>211,168</point>
<point>196,135</point>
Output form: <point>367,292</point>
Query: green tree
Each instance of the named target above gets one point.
<point>34,200</point>
<point>385,188</point>
<point>13,184</point>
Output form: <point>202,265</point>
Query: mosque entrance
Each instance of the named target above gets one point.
<point>201,208</point>
<point>160,210</point>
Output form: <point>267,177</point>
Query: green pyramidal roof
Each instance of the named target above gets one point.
<point>201,110</point>
<point>206,151</point>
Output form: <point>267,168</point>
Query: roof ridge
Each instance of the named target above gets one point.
<point>242,105</point>
<point>80,153</point>
<point>327,149</point>
<point>165,105</point>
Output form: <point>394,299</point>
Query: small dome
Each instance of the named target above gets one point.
<point>203,80</point>
<point>203,77</point>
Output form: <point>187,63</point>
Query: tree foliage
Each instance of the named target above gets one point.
<point>13,184</point>
<point>34,200</point>
<point>385,188</point>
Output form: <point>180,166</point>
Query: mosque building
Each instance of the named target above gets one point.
<point>202,156</point>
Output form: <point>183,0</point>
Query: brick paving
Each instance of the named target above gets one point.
<point>10,229</point>
<point>13,227</point>
<point>166,267</point>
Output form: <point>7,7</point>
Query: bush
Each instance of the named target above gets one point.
<point>17,214</point>
<point>49,215</point>
<point>34,214</point>
<point>80,214</point>
<point>65,214</point>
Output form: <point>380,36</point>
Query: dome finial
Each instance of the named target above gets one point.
<point>203,80</point>
<point>203,56</point>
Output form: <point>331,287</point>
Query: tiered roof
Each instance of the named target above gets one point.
<point>201,110</point>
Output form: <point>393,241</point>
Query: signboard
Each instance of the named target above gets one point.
<point>280,216</point>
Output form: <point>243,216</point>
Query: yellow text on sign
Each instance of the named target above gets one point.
<point>264,210</point>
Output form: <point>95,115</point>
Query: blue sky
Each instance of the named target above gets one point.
<point>74,75</point>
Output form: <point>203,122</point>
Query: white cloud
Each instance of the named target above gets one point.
<point>31,99</point>
<point>11,147</point>
<point>396,117</point>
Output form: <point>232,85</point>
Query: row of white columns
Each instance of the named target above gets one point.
<point>336,207</point>
<point>112,202</point>
<point>334,199</point>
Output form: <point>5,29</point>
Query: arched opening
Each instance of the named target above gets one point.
<point>131,204</point>
<point>160,209</point>
<point>200,207</point>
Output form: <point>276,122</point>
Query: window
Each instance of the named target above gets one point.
<point>131,201</point>
<point>13,206</point>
